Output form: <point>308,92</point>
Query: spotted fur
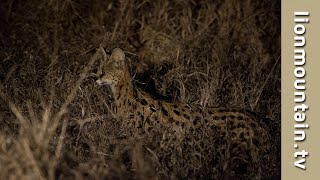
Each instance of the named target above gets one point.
<point>239,126</point>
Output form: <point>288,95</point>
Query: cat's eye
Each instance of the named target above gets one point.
<point>102,74</point>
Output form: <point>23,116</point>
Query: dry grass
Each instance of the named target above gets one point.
<point>57,124</point>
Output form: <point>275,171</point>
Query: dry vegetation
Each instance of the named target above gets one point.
<point>56,123</point>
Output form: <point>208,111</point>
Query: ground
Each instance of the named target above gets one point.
<point>57,123</point>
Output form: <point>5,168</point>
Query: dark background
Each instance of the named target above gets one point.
<point>55,122</point>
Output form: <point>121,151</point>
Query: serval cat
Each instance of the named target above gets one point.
<point>241,127</point>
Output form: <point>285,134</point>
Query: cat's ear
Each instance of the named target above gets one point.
<point>103,53</point>
<point>118,55</point>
